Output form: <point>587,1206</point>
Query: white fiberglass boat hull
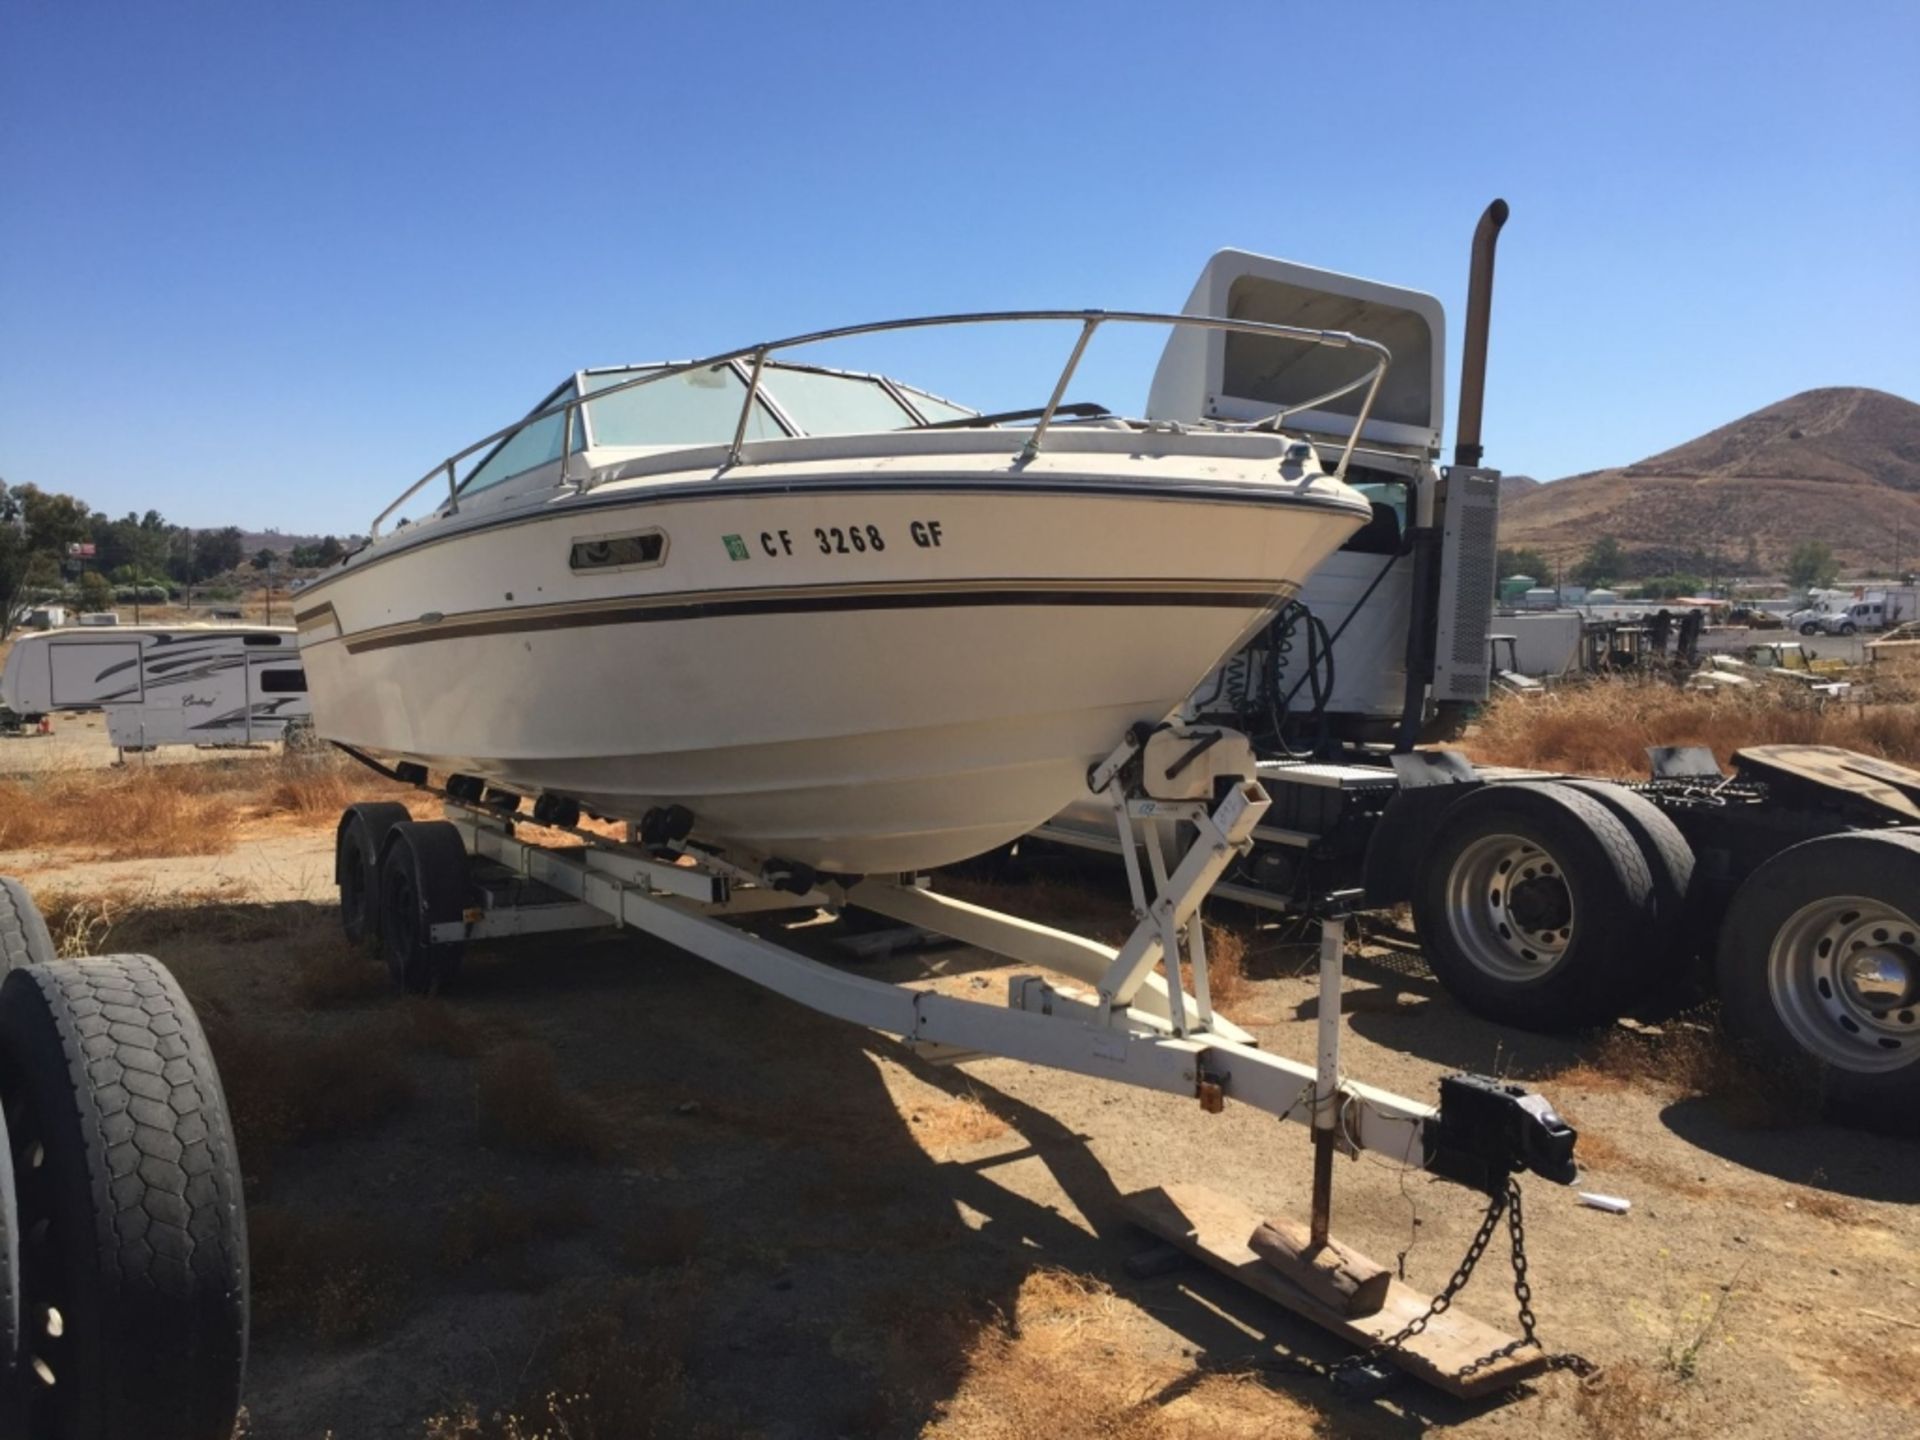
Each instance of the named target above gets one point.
<point>919,694</point>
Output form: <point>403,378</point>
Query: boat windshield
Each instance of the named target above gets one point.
<point>702,407</point>
<point>695,407</point>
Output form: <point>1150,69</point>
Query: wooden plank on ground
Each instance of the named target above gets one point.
<point>1217,1229</point>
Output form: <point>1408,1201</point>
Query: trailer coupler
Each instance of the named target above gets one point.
<point>1489,1130</point>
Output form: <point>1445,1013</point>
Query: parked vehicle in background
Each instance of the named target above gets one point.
<point>163,685</point>
<point>1869,610</point>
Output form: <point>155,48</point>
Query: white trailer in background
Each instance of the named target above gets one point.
<point>163,685</point>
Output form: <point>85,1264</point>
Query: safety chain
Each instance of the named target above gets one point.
<point>1502,1202</point>
<point>1523,1294</point>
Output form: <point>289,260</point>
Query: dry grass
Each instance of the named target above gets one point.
<point>1635,1402</point>
<point>494,1225</point>
<point>334,973</point>
<point>286,1087</point>
<point>956,1124</point>
<point>612,1367</point>
<point>1048,1370</point>
<point>1692,1057</point>
<point>437,1028</point>
<point>143,812</point>
<point>1605,727</point>
<point>137,814</point>
<point>523,1106</point>
<point>669,1238</point>
<point>337,1277</point>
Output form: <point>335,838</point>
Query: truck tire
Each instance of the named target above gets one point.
<point>1531,904</point>
<point>423,883</point>
<point>1809,628</point>
<point>1819,961</point>
<point>133,1252</point>
<point>24,939</point>
<point>1669,965</point>
<point>357,844</point>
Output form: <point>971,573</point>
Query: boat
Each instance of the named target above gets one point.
<point>817,618</point>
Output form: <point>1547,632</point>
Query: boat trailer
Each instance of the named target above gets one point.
<point>423,890</point>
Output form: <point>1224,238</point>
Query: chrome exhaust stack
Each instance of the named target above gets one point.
<point>1473,355</point>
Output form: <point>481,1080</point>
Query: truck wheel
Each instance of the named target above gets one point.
<point>1820,959</point>
<point>1670,863</point>
<point>23,934</point>
<point>1531,905</point>
<point>133,1294</point>
<point>423,883</point>
<point>1809,628</point>
<point>1847,627</point>
<point>356,866</point>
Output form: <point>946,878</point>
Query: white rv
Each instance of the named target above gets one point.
<point>163,685</point>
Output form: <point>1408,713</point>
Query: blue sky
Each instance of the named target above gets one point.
<point>263,264</point>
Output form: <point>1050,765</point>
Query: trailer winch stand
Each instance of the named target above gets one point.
<point>1134,1026</point>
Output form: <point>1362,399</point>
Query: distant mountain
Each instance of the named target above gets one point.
<point>1512,487</point>
<point>1839,464</point>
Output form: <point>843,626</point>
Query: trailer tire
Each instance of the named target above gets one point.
<point>423,883</point>
<point>1559,956</point>
<point>24,938</point>
<point>357,843</point>
<point>1668,965</point>
<point>132,1219</point>
<point>1785,992</point>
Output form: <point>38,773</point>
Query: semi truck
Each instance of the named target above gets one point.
<point>1791,884</point>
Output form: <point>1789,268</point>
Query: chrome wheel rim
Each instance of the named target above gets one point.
<point>1844,976</point>
<point>1509,907</point>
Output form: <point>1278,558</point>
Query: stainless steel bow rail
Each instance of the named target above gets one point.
<point>425,889</point>
<point>749,361</point>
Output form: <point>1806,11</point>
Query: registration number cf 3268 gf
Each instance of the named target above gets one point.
<point>859,538</point>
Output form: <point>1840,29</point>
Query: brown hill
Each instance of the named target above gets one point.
<point>1840,465</point>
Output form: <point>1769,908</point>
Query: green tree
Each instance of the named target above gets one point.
<point>1811,565</point>
<point>263,559</point>
<point>217,551</point>
<point>95,592</point>
<point>36,527</point>
<point>1605,561</point>
<point>1523,561</point>
<point>331,550</point>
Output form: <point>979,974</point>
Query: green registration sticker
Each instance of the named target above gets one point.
<point>736,547</point>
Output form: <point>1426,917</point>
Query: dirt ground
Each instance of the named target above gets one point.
<point>603,1189</point>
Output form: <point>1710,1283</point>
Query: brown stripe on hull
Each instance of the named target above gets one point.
<point>721,605</point>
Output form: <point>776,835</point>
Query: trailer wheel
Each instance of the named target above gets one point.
<point>24,939</point>
<point>133,1293</point>
<point>1531,905</point>
<point>356,866</point>
<point>1670,864</point>
<point>1820,959</point>
<point>423,881</point>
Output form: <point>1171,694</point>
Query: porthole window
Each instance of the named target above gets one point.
<point>618,552</point>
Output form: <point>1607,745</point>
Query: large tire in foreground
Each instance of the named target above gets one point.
<point>357,844</point>
<point>423,883</point>
<point>23,934</point>
<point>133,1250</point>
<point>1535,906</point>
<point>1819,966</point>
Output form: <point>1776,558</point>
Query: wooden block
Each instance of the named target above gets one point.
<point>1333,1274</point>
<point>1217,1229</point>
